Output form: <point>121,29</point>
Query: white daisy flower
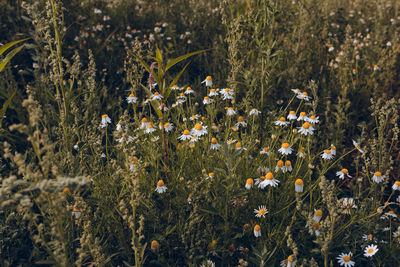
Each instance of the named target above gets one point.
<point>282,122</point>
<point>285,149</point>
<point>149,128</point>
<point>118,127</point>
<point>148,100</point>
<point>254,112</point>
<point>241,122</point>
<point>317,215</point>
<point>143,124</point>
<point>306,129</point>
<point>105,120</point>
<point>389,43</point>
<point>213,92</point>
<point>347,204</point>
<point>257,230</point>
<point>265,151</point>
<point>230,112</point>
<point>198,130</point>
<point>214,144</point>
<point>156,96</point>
<point>313,119</point>
<point>333,150</point>
<point>327,154</point>
<point>161,188</point>
<point>280,165</point>
<point>378,177</point>
<point>269,180</point>
<point>299,185</point>
<point>76,146</point>
<point>356,145</point>
<point>367,237</point>
<point>287,167</point>
<point>292,115</point>
<point>207,100</point>
<point>261,211</point>
<point>303,96</point>
<point>287,262</point>
<point>194,139</point>
<point>301,152</point>
<point>185,135</point>
<point>370,250</point>
<point>131,98</point>
<point>249,183</point>
<point>167,127</point>
<point>345,260</point>
<point>231,141</point>
<point>194,117</point>
<point>296,91</point>
<point>238,146</point>
<point>396,185</point>
<point>302,117</point>
<point>226,93</point>
<point>391,214</point>
<point>188,91</point>
<point>175,87</point>
<point>208,81</point>
<point>342,173</point>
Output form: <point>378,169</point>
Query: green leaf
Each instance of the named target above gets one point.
<point>174,61</point>
<point>5,106</point>
<point>6,46</point>
<point>9,57</point>
<point>159,56</point>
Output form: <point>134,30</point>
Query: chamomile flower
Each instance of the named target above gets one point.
<point>333,150</point>
<point>175,87</point>
<point>315,228</point>
<point>347,205</point>
<point>306,129</point>
<point>376,67</point>
<point>213,92</point>
<point>317,215</point>
<point>368,237</point>
<point>198,130</point>
<point>391,214</point>
<point>238,146</point>
<point>185,135</point>
<point>207,100</point>
<point>313,119</point>
<point>301,152</point>
<point>378,177</point>
<point>389,43</point>
<point>356,145</point>
<point>296,91</point>
<point>231,141</point>
<point>214,144</point>
<point>133,163</point>
<point>261,211</point>
<point>148,100</point>
<point>143,124</point>
<point>287,167</point>
<point>280,165</point>
<point>131,98</point>
<point>342,173</point>
<point>118,127</point>
<point>370,250</point>
<point>167,127</point>
<point>265,151</point>
<point>105,120</point>
<point>149,128</point>
<point>292,115</point>
<point>285,149</point>
<point>241,122</point>
<point>194,117</point>
<point>208,81</point>
<point>302,117</point>
<point>189,199</point>
<point>287,262</point>
<point>189,91</point>
<point>345,260</point>
<point>226,93</point>
<point>269,180</point>
<point>230,112</point>
<point>76,146</point>
<point>257,230</point>
<point>254,112</point>
<point>154,246</point>
<point>303,96</point>
<point>249,183</point>
<point>281,122</point>
<point>75,212</point>
<point>161,188</point>
<point>299,185</point>
<point>396,185</point>
<point>210,175</point>
<point>327,154</point>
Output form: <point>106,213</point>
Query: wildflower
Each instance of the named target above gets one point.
<point>144,123</point>
<point>317,215</point>
<point>150,128</point>
<point>148,100</point>
<point>231,141</point>
<point>327,154</point>
<point>105,120</point>
<point>103,155</point>
<point>66,191</point>
<point>162,107</point>
<point>315,229</point>
<point>214,144</point>
<point>175,87</point>
<point>378,177</point>
<point>156,96</point>
<point>280,166</point>
<point>389,43</point>
<point>345,259</point>
<point>344,172</point>
<point>75,212</point>
<point>391,214</point>
<point>396,185</point>
<point>254,112</point>
<point>265,151</point>
<point>376,67</point>
<point>269,180</point>
<point>303,96</point>
<point>213,92</point>
<point>161,188</point>
<point>188,91</point>
<point>198,130</point>
<point>301,152</point>
<point>306,129</point>
<point>285,149</point>
<point>367,237</point>
<point>347,205</point>
<point>230,112</point>
<point>241,122</point>
<point>370,250</point>
<point>226,93</point>
<point>35,65</point>
<point>287,167</point>
<point>299,185</point>
<point>76,146</point>
<point>261,211</point>
<point>249,183</point>
<point>333,150</point>
<point>194,117</point>
<point>296,91</point>
<point>208,81</point>
<point>207,100</point>
<point>281,122</point>
<point>357,146</point>
<point>292,115</point>
<point>287,262</point>
<point>331,48</point>
<point>257,230</point>
<point>154,245</point>
<point>208,263</point>
<point>185,135</point>
<point>313,119</point>
<point>189,199</point>
<point>238,146</point>
<point>302,117</point>
<point>210,175</point>
<point>131,98</point>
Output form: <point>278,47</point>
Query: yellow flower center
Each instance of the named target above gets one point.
<point>333,147</point>
<point>306,125</point>
<point>257,228</point>
<point>206,98</point>
<point>279,163</point>
<point>208,78</point>
<point>238,145</point>
<point>327,151</point>
<point>299,182</point>
<point>369,236</point>
<point>285,145</point>
<point>240,119</point>
<point>379,174</point>
<point>166,124</point>
<point>144,120</point>
<point>391,212</point>
<point>288,163</point>
<point>211,174</point>
<point>397,183</point>
<point>261,211</point>
<point>318,213</point>
<point>345,171</point>
<point>269,176</point>
<point>156,93</point>
<point>198,127</point>
<point>282,119</point>
<point>249,181</point>
<point>131,95</point>
<point>266,149</point>
<point>290,259</point>
<point>181,94</point>
<point>186,132</point>
<point>298,90</point>
<point>312,117</point>
<point>292,112</point>
<point>302,114</point>
<point>214,140</point>
<point>346,258</point>
<point>315,225</point>
<point>104,116</point>
<point>227,89</point>
<point>370,251</point>
<point>150,125</point>
<point>305,93</point>
<point>160,183</point>
<point>188,88</point>
<point>154,244</point>
<point>212,90</point>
